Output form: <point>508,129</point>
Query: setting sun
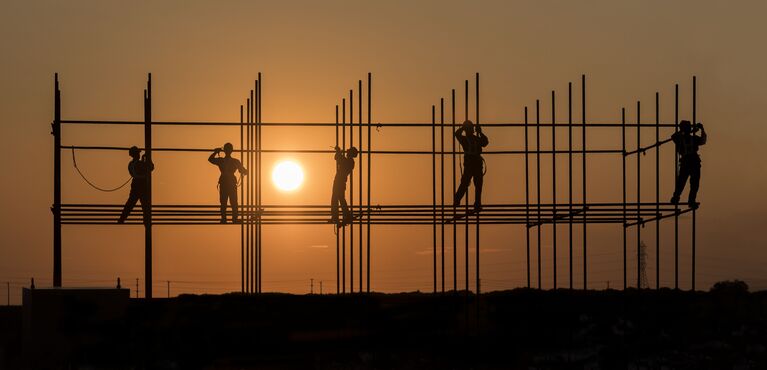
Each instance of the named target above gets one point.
<point>287,175</point>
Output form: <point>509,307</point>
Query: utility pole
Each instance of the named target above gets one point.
<point>168,288</point>
<point>320,287</point>
<point>8,285</point>
<point>311,286</point>
<point>136,287</point>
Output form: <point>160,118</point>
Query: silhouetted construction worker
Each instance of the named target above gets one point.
<point>139,169</point>
<point>344,167</point>
<point>472,162</point>
<point>227,182</point>
<point>687,144</point>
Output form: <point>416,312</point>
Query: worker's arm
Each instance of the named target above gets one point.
<point>132,169</point>
<point>148,166</point>
<point>212,158</point>
<point>703,137</point>
<point>339,154</point>
<point>675,137</point>
<point>241,168</point>
<point>482,137</point>
<point>459,133</point>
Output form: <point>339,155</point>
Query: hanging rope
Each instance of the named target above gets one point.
<point>74,162</point>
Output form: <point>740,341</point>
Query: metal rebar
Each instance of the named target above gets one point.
<point>583,155</point>
<point>442,185</point>
<point>623,135</point>
<point>554,187</point>
<point>657,191</point>
<point>434,195</point>
<point>538,182</point>
<point>527,201</point>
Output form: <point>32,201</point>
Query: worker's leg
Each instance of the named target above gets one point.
<point>478,180</point>
<point>462,187</point>
<point>681,180</point>
<point>232,194</point>
<point>345,209</point>
<point>132,199</point>
<point>145,206</point>
<point>222,199</point>
<point>694,183</point>
<point>334,203</point>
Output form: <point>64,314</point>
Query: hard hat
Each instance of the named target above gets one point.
<point>685,124</point>
<point>134,151</point>
<point>468,123</point>
<point>353,152</point>
<point>228,147</point>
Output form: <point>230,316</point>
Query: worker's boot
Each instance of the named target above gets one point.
<point>692,203</point>
<point>675,199</point>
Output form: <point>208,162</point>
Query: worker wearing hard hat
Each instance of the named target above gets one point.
<point>344,167</point>
<point>473,164</point>
<point>227,182</point>
<point>687,144</point>
<point>139,169</point>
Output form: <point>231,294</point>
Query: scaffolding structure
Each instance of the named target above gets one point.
<point>533,214</point>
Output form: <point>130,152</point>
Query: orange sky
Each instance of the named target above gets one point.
<point>205,55</point>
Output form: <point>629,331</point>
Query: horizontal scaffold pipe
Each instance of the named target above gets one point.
<point>661,216</point>
<point>216,221</point>
<point>324,124</point>
<point>485,207</point>
<point>645,149</point>
<point>330,151</point>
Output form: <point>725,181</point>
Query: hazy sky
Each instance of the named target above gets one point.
<point>204,56</point>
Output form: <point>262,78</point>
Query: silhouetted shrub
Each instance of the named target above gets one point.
<point>730,287</point>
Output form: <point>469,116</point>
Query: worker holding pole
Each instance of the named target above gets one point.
<point>139,169</point>
<point>687,144</point>
<point>473,164</point>
<point>344,167</point>
<point>227,182</point>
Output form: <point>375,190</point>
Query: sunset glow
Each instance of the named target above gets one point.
<point>287,176</point>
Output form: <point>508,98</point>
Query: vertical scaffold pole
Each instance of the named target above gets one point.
<point>466,201</point>
<point>442,185</point>
<point>455,234</point>
<point>570,174</point>
<point>434,195</point>
<point>338,275</point>
<point>554,187</point>
<point>585,208</point>
<point>256,254</point>
<point>476,249</point>
<point>639,198</point>
<point>676,206</point>
<point>538,182</point>
<point>359,140</point>
<point>343,228</point>
<point>148,220</point>
<point>351,194</point>
<point>251,187</point>
<point>623,135</point>
<point>527,199</point>
<point>259,111</point>
<point>248,186</point>
<point>695,206</point>
<point>244,208</point>
<point>56,131</point>
<point>657,191</point>
<point>370,155</point>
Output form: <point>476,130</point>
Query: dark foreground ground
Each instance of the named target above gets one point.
<point>519,329</point>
